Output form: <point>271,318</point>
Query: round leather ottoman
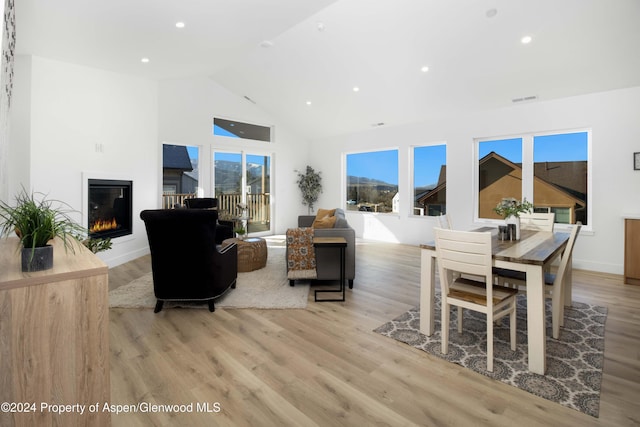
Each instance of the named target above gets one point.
<point>252,253</point>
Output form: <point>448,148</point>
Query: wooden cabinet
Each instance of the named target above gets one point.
<point>632,251</point>
<point>54,339</point>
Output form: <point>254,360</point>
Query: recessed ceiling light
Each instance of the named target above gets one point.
<point>492,12</point>
<point>179,24</point>
<point>144,60</point>
<point>320,26</point>
<point>424,69</point>
<point>266,43</point>
<point>356,89</point>
<point>308,102</point>
<point>526,39</point>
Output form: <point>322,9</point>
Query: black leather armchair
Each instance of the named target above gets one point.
<point>225,228</point>
<point>185,261</point>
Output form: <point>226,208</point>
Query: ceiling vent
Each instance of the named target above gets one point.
<point>525,99</point>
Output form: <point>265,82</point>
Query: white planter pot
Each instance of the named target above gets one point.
<point>514,220</point>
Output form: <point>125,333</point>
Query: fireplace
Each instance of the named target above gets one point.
<point>109,208</point>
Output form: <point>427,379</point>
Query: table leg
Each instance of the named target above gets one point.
<point>536,319</point>
<point>427,290</point>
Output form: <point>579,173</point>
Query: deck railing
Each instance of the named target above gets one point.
<point>258,205</point>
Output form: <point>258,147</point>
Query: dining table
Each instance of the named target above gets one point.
<point>532,254</point>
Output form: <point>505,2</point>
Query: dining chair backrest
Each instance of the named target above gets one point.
<point>537,221</point>
<point>445,221</point>
<point>566,255</point>
<point>466,252</point>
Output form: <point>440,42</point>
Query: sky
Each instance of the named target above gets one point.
<point>548,148</point>
<point>380,165</point>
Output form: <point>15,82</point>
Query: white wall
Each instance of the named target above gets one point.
<point>62,112</point>
<point>612,116</point>
<point>187,109</point>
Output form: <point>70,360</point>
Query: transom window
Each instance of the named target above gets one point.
<point>236,129</point>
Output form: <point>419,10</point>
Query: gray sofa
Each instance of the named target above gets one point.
<point>328,259</point>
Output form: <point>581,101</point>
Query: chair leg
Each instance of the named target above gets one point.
<point>212,307</point>
<point>444,326</point>
<point>556,309</point>
<point>350,283</point>
<point>489,344</point>
<point>292,282</point>
<point>159,305</point>
<point>512,326</point>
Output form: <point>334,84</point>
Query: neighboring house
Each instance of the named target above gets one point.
<point>501,178</point>
<point>395,203</point>
<point>175,164</point>
<point>434,202</point>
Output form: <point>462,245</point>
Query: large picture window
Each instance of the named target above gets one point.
<point>429,180</point>
<point>372,181</point>
<point>550,170</point>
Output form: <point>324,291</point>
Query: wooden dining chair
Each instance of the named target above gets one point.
<point>445,221</point>
<point>468,252</point>
<point>554,283</point>
<point>537,221</point>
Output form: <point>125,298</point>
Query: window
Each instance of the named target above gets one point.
<point>550,170</point>
<point>561,175</point>
<point>372,181</point>
<point>235,129</point>
<point>179,174</point>
<point>429,180</point>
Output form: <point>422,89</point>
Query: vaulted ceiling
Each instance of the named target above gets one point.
<point>300,60</point>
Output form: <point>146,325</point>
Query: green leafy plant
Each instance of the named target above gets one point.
<point>310,185</point>
<point>96,245</point>
<point>36,221</point>
<point>510,206</point>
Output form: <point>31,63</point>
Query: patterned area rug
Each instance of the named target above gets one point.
<point>574,362</point>
<point>266,288</point>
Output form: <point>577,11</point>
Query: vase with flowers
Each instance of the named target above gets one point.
<point>510,209</point>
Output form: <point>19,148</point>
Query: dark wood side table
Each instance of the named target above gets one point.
<point>333,242</point>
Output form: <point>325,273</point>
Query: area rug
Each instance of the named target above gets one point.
<point>265,288</point>
<point>574,362</point>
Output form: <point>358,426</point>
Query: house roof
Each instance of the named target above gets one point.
<point>572,175</point>
<point>282,53</point>
<point>176,157</point>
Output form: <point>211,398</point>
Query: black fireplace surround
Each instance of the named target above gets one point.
<point>109,211</point>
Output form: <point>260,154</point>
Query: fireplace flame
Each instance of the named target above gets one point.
<point>103,225</point>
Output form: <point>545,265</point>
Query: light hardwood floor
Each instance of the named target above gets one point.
<point>324,366</point>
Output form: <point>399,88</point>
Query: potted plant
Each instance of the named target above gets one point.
<point>510,209</point>
<point>36,221</point>
<point>310,185</point>
<point>240,231</point>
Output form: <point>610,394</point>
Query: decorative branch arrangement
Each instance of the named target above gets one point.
<point>310,185</point>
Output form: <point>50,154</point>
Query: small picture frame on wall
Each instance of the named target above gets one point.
<point>636,161</point>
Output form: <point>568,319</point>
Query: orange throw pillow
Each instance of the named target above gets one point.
<point>325,219</point>
<point>326,222</point>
